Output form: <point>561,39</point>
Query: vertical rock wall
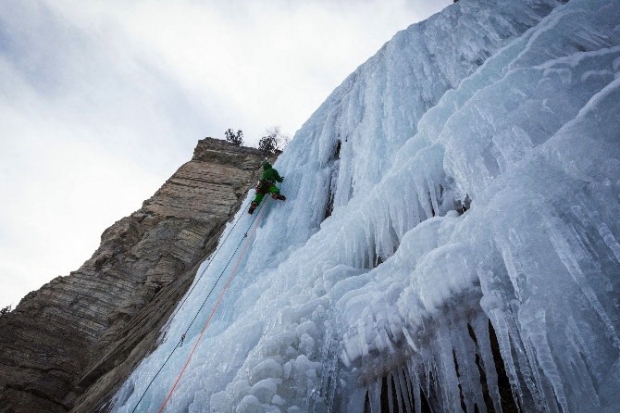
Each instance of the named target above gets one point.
<point>67,346</point>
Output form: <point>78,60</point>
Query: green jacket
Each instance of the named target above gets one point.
<point>270,174</point>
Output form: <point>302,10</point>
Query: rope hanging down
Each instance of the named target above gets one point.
<point>217,304</point>
<point>257,218</point>
<point>211,259</point>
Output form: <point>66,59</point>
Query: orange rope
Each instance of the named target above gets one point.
<point>217,304</point>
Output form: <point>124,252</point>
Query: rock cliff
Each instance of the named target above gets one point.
<point>67,346</point>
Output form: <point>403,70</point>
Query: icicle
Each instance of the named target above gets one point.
<point>374,393</point>
<point>404,391</point>
<point>469,377</point>
<point>447,376</point>
<point>480,326</point>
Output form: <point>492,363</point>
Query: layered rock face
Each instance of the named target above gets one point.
<point>67,346</point>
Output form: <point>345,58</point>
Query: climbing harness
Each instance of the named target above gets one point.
<point>245,238</point>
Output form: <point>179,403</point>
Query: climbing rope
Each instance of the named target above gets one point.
<point>217,304</point>
<point>256,218</point>
<point>211,259</point>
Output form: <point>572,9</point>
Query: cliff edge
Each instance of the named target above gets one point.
<point>67,346</point>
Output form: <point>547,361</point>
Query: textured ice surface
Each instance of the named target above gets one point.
<point>505,110</point>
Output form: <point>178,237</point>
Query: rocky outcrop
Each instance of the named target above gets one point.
<point>67,346</point>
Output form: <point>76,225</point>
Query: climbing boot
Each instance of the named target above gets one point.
<point>252,208</point>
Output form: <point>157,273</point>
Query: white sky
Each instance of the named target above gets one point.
<point>102,100</point>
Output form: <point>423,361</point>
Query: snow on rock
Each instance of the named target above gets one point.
<point>450,224</point>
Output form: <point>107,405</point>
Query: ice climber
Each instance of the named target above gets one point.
<point>267,185</point>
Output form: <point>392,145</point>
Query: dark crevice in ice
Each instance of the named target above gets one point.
<point>334,161</point>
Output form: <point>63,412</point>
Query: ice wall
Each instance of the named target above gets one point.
<point>469,176</point>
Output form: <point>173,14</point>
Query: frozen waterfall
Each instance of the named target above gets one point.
<point>449,242</point>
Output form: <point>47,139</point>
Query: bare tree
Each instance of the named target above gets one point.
<point>274,140</point>
<point>234,138</point>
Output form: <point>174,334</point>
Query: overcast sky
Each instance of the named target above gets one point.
<point>102,100</point>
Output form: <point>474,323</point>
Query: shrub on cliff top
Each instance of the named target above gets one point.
<point>234,138</point>
<point>274,140</point>
<point>5,310</point>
